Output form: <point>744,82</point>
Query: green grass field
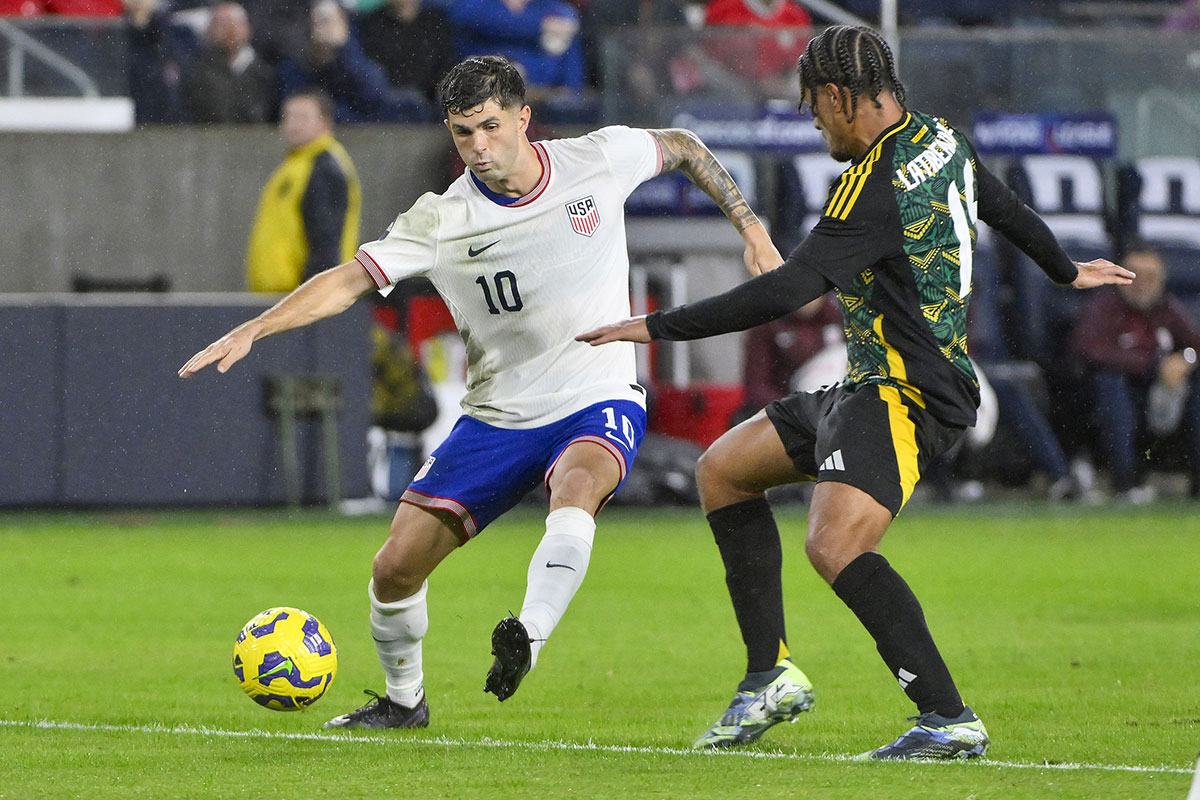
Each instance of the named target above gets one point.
<point>1073,632</point>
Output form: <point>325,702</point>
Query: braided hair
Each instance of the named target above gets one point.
<point>854,58</point>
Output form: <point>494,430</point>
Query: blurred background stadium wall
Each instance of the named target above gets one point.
<point>174,201</point>
<point>110,182</point>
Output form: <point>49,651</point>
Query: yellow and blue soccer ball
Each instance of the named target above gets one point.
<point>285,659</point>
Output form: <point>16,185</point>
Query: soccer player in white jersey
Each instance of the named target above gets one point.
<point>527,249</point>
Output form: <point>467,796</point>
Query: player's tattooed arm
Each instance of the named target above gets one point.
<point>683,150</point>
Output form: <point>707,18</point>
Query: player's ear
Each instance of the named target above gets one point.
<point>833,93</point>
<point>523,118</point>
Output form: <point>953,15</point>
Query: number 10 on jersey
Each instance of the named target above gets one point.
<point>505,284</point>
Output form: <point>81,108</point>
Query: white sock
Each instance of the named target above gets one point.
<point>556,572</point>
<point>398,629</point>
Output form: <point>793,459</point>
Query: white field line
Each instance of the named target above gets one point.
<point>403,740</point>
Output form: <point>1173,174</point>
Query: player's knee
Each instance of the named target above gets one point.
<point>829,549</point>
<point>577,487</point>
<point>394,579</point>
<point>712,479</point>
<point>709,471</point>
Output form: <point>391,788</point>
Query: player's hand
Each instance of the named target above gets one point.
<point>1100,272</point>
<point>229,349</point>
<point>761,254</point>
<point>630,330</point>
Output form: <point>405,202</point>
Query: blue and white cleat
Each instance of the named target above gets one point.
<point>935,737</point>
<point>782,699</point>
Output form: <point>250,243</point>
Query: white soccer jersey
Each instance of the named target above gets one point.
<point>523,279</point>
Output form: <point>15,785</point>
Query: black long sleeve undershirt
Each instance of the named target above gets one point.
<point>759,300</point>
<point>775,294</point>
<point>1000,208</point>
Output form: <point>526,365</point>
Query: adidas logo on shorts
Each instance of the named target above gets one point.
<point>834,462</point>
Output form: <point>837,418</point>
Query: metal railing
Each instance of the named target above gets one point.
<point>21,44</point>
<point>1150,109</point>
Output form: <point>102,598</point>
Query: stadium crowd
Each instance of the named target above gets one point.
<point>200,61</point>
<point>192,62</point>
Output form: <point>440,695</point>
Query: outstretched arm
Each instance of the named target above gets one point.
<point>683,150</point>
<point>326,294</point>
<point>1000,207</point>
<point>758,300</point>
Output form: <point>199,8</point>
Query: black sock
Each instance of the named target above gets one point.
<point>890,612</point>
<point>749,543</point>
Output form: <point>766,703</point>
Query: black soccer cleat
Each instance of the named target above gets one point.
<point>510,646</point>
<point>384,713</point>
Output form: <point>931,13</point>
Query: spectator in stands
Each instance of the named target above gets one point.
<point>309,211</point>
<point>1022,421</point>
<point>22,8</point>
<point>619,16</point>
<point>281,28</point>
<point>66,8</point>
<point>334,62</point>
<point>412,42</point>
<point>227,81</point>
<point>540,36</point>
<point>767,57</point>
<point>1140,345</point>
<point>159,52</point>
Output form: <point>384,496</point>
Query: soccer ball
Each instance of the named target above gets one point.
<point>285,659</point>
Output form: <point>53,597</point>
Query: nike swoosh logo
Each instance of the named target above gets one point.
<point>550,565</point>
<point>284,668</point>
<point>472,252</point>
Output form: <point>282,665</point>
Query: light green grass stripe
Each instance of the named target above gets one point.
<point>592,747</point>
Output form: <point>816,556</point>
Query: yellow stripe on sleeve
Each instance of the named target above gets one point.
<point>847,180</point>
<point>855,178</point>
<point>844,212</point>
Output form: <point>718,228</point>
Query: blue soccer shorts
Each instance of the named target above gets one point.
<point>480,471</point>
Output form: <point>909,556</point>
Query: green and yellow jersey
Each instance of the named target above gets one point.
<point>895,241</point>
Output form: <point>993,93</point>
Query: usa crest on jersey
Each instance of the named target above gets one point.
<point>584,216</point>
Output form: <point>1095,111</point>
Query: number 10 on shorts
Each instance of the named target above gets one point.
<point>625,430</point>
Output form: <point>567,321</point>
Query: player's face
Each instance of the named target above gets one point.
<point>488,139</point>
<point>828,118</point>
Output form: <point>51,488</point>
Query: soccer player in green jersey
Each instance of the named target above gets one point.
<point>895,243</point>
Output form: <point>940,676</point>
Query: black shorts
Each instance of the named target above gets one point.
<point>875,438</point>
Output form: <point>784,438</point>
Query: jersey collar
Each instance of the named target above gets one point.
<point>899,126</point>
<point>524,200</point>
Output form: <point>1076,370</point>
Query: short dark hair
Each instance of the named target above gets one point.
<point>855,58</point>
<point>473,82</point>
<point>319,96</point>
<point>1136,244</point>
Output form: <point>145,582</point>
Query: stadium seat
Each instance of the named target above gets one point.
<point>1161,205</point>
<point>1068,193</point>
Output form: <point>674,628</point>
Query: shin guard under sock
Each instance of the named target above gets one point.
<point>890,612</point>
<point>748,540</point>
